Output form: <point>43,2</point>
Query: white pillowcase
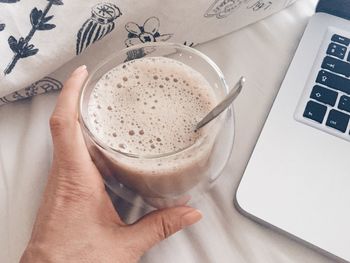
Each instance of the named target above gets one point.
<point>41,42</point>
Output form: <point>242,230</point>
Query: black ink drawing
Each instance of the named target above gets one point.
<point>2,26</point>
<point>260,5</point>
<point>189,44</point>
<point>98,25</point>
<point>11,98</point>
<point>21,47</point>
<point>139,53</point>
<point>148,32</point>
<point>48,84</point>
<point>135,54</point>
<point>223,8</point>
<point>43,85</point>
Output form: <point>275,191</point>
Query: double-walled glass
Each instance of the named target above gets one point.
<point>167,179</point>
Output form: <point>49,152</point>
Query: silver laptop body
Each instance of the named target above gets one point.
<point>298,177</point>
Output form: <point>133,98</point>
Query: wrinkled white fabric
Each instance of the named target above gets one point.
<point>261,52</point>
<point>38,37</point>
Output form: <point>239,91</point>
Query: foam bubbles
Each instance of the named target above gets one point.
<point>150,106</point>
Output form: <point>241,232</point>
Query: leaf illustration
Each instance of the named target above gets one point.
<point>46,26</point>
<point>29,53</point>
<point>35,16</point>
<point>56,2</point>
<point>46,19</point>
<point>21,43</point>
<point>39,21</point>
<point>13,44</point>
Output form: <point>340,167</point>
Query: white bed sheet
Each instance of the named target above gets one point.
<point>261,52</point>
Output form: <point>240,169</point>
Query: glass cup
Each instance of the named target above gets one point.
<point>169,179</point>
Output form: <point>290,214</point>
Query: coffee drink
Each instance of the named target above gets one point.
<point>146,111</point>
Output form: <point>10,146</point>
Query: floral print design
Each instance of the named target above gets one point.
<point>148,32</point>
<point>39,20</point>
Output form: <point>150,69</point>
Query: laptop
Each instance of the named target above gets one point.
<point>297,180</point>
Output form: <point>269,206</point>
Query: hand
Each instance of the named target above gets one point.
<point>76,221</point>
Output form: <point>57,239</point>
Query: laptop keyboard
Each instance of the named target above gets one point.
<point>328,104</point>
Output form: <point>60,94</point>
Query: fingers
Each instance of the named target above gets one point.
<point>66,111</point>
<point>160,224</point>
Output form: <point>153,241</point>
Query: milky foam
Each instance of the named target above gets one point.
<point>149,106</point>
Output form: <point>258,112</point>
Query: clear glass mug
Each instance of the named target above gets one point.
<point>169,179</point>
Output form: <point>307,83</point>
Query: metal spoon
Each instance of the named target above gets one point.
<point>225,103</point>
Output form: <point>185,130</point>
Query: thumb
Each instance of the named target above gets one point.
<point>160,224</point>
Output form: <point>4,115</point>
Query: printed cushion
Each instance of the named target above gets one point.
<point>42,41</point>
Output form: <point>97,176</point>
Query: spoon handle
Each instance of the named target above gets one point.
<point>230,97</point>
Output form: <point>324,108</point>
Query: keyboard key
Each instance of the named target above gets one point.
<point>344,103</point>
<point>341,40</point>
<point>336,65</point>
<point>324,95</point>
<point>338,120</point>
<point>315,111</point>
<point>336,50</point>
<point>333,81</point>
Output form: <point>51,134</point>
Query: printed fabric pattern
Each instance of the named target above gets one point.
<point>42,41</point>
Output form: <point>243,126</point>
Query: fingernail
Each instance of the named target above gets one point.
<point>79,69</point>
<point>191,217</point>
